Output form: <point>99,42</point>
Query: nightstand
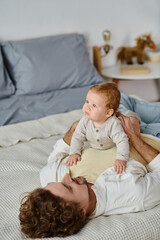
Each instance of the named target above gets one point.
<point>114,73</point>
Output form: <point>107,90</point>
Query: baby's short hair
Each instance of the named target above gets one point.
<point>111,93</point>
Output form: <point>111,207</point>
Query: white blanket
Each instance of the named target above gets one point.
<point>24,149</point>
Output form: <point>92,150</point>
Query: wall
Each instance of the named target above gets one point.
<point>126,19</point>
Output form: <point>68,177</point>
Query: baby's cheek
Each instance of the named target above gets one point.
<point>83,108</point>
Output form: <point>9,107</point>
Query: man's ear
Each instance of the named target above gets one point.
<point>84,211</point>
<point>109,112</point>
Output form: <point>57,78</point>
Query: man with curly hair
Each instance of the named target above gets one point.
<point>43,214</point>
<point>62,208</point>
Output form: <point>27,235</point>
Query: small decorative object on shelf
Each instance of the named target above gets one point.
<point>97,51</point>
<point>134,69</point>
<point>127,53</point>
<point>153,55</point>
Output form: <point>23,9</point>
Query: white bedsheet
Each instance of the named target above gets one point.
<point>24,149</point>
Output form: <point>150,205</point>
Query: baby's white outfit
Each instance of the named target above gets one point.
<point>111,133</point>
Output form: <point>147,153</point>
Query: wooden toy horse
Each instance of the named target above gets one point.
<point>127,53</point>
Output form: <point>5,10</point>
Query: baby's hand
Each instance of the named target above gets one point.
<point>119,166</point>
<point>73,159</point>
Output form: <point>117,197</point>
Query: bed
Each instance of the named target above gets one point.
<point>43,76</point>
<point>37,107</point>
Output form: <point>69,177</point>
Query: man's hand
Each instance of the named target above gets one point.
<point>130,125</point>
<point>119,166</point>
<point>73,159</point>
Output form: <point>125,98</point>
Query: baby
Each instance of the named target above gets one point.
<point>100,126</point>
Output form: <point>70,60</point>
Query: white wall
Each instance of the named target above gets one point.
<point>126,19</point>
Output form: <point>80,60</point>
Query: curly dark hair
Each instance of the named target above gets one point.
<point>43,214</point>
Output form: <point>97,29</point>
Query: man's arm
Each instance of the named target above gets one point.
<point>131,127</point>
<point>68,136</point>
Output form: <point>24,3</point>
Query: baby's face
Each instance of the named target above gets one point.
<point>95,108</point>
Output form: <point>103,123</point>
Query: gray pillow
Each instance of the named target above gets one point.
<point>48,64</point>
<point>6,86</point>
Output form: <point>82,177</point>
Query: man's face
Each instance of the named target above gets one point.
<point>75,190</point>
